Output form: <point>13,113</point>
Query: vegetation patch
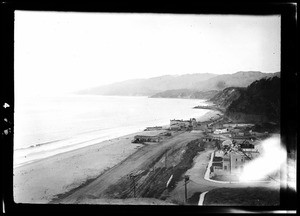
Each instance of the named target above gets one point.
<point>152,182</point>
<point>256,196</point>
<point>225,177</point>
<point>186,161</point>
<point>194,199</point>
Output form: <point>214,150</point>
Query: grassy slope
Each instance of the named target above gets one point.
<point>258,196</point>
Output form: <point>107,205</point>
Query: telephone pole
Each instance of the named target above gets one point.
<point>186,178</point>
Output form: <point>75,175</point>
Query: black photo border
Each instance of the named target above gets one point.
<point>289,97</point>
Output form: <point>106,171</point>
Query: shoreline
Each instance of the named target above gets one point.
<point>42,180</point>
<point>204,118</point>
<point>77,149</point>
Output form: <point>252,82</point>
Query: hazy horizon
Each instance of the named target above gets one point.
<point>166,75</point>
<point>63,52</point>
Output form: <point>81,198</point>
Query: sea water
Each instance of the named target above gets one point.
<point>45,126</point>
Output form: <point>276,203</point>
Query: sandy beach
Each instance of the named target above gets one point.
<point>40,181</point>
<point>43,180</point>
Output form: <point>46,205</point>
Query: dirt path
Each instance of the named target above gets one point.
<point>137,161</point>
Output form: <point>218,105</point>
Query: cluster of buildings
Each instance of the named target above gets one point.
<point>176,124</point>
<point>231,158</point>
<point>236,131</point>
<point>155,134</point>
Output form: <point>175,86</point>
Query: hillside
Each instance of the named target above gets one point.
<point>227,96</point>
<point>148,87</point>
<point>239,79</point>
<point>186,93</point>
<point>259,102</point>
<point>200,85</point>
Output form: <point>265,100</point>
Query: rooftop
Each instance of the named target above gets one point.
<point>151,133</point>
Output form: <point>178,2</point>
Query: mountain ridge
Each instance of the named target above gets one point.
<point>238,79</point>
<point>148,87</point>
<point>188,85</point>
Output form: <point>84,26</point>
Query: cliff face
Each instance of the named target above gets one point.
<point>259,102</point>
<point>262,97</point>
<point>227,96</point>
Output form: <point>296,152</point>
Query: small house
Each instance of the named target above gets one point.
<point>145,138</point>
<point>153,128</point>
<point>221,130</point>
<point>234,162</point>
<point>207,139</point>
<point>217,168</point>
<point>226,143</point>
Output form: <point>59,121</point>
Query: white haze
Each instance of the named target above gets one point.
<point>61,52</point>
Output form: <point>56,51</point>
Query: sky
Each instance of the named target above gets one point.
<point>62,52</point>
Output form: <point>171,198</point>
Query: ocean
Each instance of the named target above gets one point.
<point>45,126</point>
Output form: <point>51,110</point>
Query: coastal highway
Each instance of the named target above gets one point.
<point>139,160</point>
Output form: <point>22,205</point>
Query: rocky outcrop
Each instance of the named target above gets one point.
<point>227,96</point>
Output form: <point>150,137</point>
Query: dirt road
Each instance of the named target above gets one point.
<point>140,160</point>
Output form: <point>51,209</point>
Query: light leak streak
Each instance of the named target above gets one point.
<point>272,157</point>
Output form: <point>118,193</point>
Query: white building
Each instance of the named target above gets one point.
<point>221,130</point>
<point>181,124</point>
<point>227,143</point>
<point>219,153</point>
<point>237,125</point>
<point>234,162</point>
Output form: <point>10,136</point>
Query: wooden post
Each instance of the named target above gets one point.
<point>230,166</point>
<point>230,162</point>
<point>186,178</point>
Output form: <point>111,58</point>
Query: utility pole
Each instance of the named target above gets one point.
<point>230,167</point>
<point>186,178</point>
<point>132,177</point>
